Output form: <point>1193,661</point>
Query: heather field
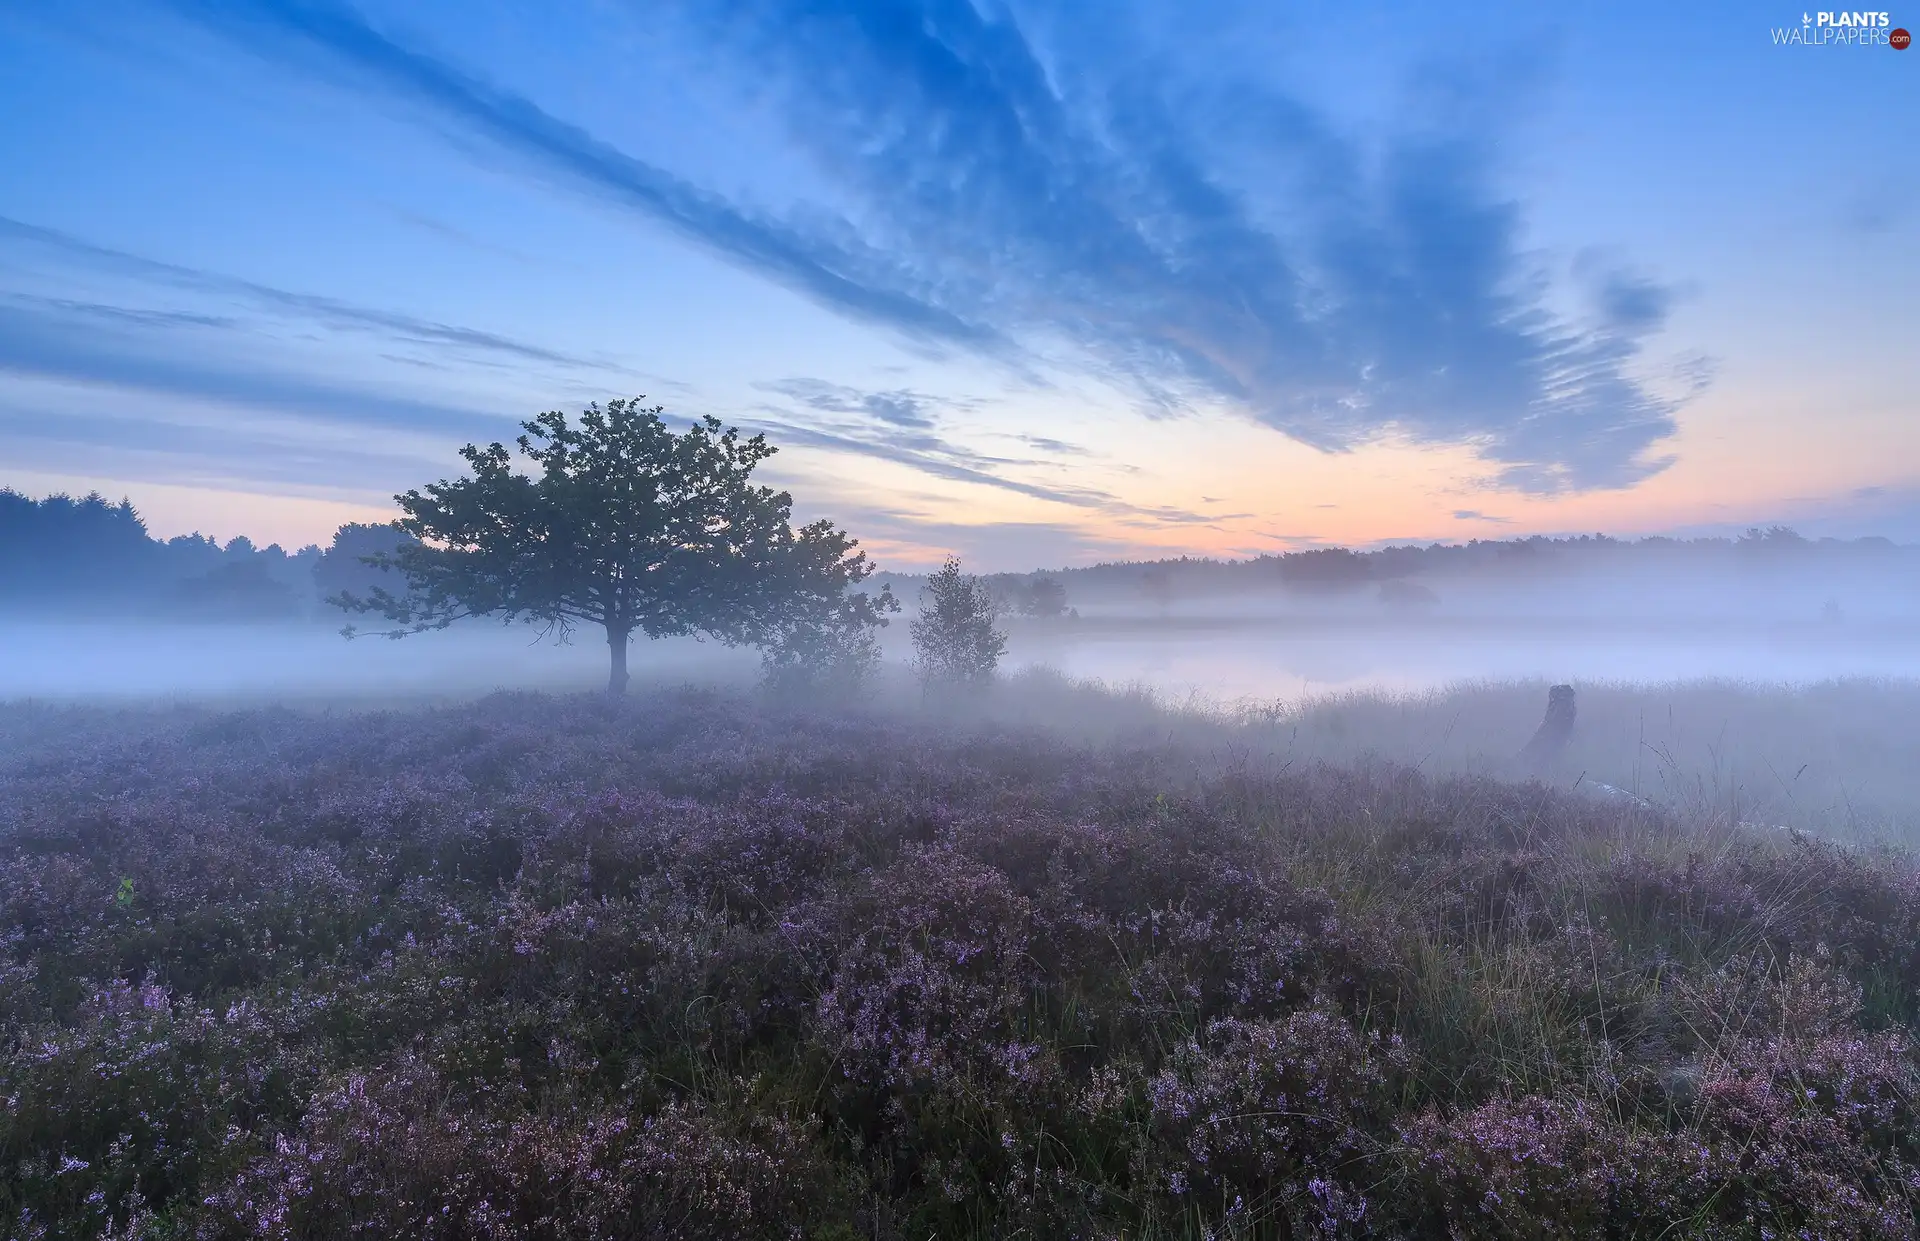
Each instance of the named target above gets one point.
<point>1069,965</point>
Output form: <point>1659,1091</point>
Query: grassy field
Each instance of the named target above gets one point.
<point>1064,963</point>
<point>1837,758</point>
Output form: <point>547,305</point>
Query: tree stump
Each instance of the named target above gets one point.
<point>1555,730</point>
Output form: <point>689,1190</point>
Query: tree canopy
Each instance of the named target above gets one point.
<point>90,556</point>
<point>620,523</point>
<point>957,640</point>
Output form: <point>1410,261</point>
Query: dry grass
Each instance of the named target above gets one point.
<point>1835,758</point>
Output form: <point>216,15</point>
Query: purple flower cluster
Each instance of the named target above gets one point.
<point>695,966</point>
<point>400,1154</point>
<point>1282,1110</point>
<point>1785,1119</point>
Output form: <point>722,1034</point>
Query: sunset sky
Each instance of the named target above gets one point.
<point>1041,284</point>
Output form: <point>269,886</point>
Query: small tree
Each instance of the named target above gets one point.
<point>956,640</point>
<point>1046,598</point>
<point>821,640</point>
<point>624,525</point>
<point>831,651</point>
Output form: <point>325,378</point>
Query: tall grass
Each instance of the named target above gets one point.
<point>1833,757</point>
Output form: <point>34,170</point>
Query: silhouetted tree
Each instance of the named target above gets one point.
<point>62,549</point>
<point>955,638</point>
<point>351,565</point>
<point>1008,592</point>
<point>1046,598</point>
<point>1773,537</point>
<point>624,525</point>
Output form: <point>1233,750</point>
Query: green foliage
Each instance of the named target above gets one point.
<point>621,524</point>
<point>956,638</point>
<point>827,650</point>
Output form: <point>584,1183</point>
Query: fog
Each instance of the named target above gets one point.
<point>1776,620</point>
<point>1786,621</point>
<point>95,660</point>
<point>1231,660</point>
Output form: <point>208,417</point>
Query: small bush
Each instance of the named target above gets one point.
<point>956,636</point>
<point>1278,1119</point>
<point>833,656</point>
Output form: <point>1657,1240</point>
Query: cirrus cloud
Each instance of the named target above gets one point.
<point>1001,193</point>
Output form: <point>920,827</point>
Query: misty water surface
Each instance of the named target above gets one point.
<point>1221,658</point>
<point>1230,660</point>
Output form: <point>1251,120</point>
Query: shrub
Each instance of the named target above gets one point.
<point>956,636</point>
<point>834,656</point>
<point>392,1154</point>
<point>1277,1119</point>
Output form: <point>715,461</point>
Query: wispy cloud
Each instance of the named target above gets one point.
<point>900,407</point>
<point>333,39</point>
<point>197,447</point>
<point>73,346</point>
<point>1054,447</point>
<point>914,543</point>
<point>1468,514</point>
<point>18,237</point>
<point>1882,205</point>
<point>155,337</point>
<point>904,427</point>
<point>997,196</point>
<point>899,427</point>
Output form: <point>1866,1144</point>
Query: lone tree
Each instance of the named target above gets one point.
<point>1046,598</point>
<point>622,524</point>
<point>956,640</point>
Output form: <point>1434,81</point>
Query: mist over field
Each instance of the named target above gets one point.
<point>99,659</point>
<point>1221,659</point>
<point>1767,679</point>
<point>1785,612</point>
<point>1773,684</point>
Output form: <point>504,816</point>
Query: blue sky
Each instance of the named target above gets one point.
<point>1037,283</point>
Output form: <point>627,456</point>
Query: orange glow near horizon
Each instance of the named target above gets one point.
<point>1209,484</point>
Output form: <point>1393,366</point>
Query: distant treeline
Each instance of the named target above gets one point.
<point>1393,573</point>
<point>89,554</point>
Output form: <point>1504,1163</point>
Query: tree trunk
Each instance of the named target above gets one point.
<point>617,677</point>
